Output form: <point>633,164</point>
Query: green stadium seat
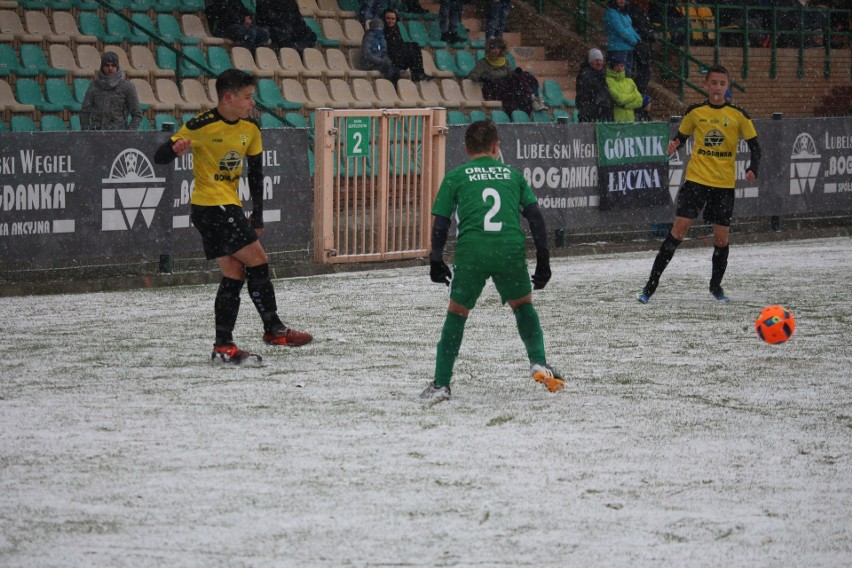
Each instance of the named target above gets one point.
<point>144,126</point>
<point>60,5</point>
<point>166,58</point>
<point>541,117</point>
<point>270,95</point>
<point>75,123</point>
<point>81,85</point>
<point>553,96</point>
<point>161,118</point>
<point>560,113</point>
<point>11,65</point>
<point>295,120</point>
<point>218,59</point>
<point>478,115</point>
<point>53,123</point>
<point>269,120</point>
<point>33,59</point>
<point>445,61</point>
<point>91,24</point>
<point>462,33</point>
<point>117,26</point>
<point>40,5</point>
<point>321,39</point>
<point>22,123</point>
<point>140,6</point>
<point>189,69</point>
<point>86,5</point>
<point>465,62</point>
<point>500,117</point>
<point>144,21</point>
<point>170,31</point>
<point>168,6</point>
<point>519,116</point>
<point>457,117</point>
<point>58,92</point>
<point>3,127</point>
<point>27,91</point>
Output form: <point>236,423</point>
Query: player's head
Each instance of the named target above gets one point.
<point>235,90</point>
<point>716,83</point>
<point>481,138</point>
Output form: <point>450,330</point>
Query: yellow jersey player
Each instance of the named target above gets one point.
<point>488,198</point>
<point>716,126</point>
<point>219,140</point>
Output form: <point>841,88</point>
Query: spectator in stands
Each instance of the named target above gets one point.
<point>625,96</point>
<point>498,13</point>
<point>374,51</point>
<point>403,54</point>
<point>594,103</point>
<point>370,9</point>
<point>236,23</point>
<point>110,99</point>
<point>503,81</point>
<point>642,51</point>
<point>620,35</point>
<point>666,12</point>
<point>287,27</point>
<point>449,18</point>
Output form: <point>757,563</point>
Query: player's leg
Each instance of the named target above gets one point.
<point>719,211</point>
<point>262,294</point>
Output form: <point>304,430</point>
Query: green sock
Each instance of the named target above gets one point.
<point>529,328</point>
<point>448,348</point>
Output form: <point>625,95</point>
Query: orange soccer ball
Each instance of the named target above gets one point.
<point>775,324</point>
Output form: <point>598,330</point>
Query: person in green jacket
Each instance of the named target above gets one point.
<point>625,96</point>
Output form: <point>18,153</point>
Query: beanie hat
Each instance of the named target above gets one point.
<point>377,24</point>
<point>109,57</point>
<point>617,59</point>
<point>495,42</point>
<point>595,55</point>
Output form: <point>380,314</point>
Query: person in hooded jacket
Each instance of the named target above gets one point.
<point>403,54</point>
<point>374,52</point>
<point>621,36</point>
<point>625,96</point>
<point>110,99</point>
<point>594,103</point>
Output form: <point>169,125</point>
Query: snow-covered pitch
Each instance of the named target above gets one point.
<point>680,439</point>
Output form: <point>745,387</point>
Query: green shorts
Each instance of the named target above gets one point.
<point>510,278</point>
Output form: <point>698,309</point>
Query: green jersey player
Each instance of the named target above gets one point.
<point>488,197</point>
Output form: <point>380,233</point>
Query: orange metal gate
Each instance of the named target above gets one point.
<point>377,173</point>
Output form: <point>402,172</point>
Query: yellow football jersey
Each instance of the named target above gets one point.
<point>717,131</point>
<point>218,149</point>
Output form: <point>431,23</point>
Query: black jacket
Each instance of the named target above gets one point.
<point>594,103</point>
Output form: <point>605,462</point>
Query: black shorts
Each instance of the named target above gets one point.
<point>718,203</point>
<point>224,229</point>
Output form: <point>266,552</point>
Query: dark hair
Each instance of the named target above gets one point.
<point>480,136</point>
<point>232,80</point>
<point>717,69</point>
<point>390,11</point>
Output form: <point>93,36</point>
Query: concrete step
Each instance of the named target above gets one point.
<point>524,53</point>
<point>540,67</point>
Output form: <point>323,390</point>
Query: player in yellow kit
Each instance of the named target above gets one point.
<point>219,140</point>
<point>716,126</point>
<point>488,197</point>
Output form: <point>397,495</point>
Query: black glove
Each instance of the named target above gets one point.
<point>542,272</point>
<point>439,272</point>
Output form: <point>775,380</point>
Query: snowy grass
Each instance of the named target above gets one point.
<point>680,440</point>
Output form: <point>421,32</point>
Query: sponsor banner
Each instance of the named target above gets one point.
<point>633,164</point>
<point>82,195</point>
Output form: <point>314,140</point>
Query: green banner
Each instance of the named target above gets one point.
<point>621,144</point>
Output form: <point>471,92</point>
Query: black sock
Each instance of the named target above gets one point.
<point>720,264</point>
<point>667,250</point>
<point>263,295</point>
<point>226,308</point>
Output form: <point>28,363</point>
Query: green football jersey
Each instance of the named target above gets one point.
<point>488,197</point>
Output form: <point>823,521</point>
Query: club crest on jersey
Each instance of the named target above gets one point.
<point>713,138</point>
<point>230,161</point>
<point>244,139</point>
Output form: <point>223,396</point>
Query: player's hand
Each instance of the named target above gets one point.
<point>541,276</point>
<point>672,147</point>
<point>750,175</point>
<point>181,147</point>
<point>439,272</point>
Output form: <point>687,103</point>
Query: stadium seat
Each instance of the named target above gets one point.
<point>218,59</point>
<point>91,24</point>
<point>291,64</point>
<point>75,126</point>
<point>419,35</point>
<point>431,69</point>
<point>500,117</point>
<point>337,62</point>
<point>187,67</point>
<point>171,32</point>
<point>162,119</point>
<point>321,39</point>
<point>29,92</point>
<point>270,95</point>
<point>318,95</point>
<point>8,102</point>
<point>86,5</point>
<point>58,92</point>
<point>353,30</point>
<point>430,92</point>
<point>139,6</point>
<point>147,24</point>
<point>11,65</point>
<point>465,62</point>
<point>117,27</point>
<point>519,116</point>
<point>552,94</point>
<point>194,92</point>
<point>341,93</point>
<point>142,59</point>
<point>89,57</point>
<point>354,55</point>
<point>363,91</point>
<point>473,93</point>
<point>445,61</point>
<point>65,24</point>
<point>79,87</point>
<point>144,125</point>
<point>332,29</point>
<point>52,123</point>
<point>562,114</point>
<point>332,7</point>
<point>295,120</point>
<point>167,92</point>
<point>269,120</point>
<point>457,117</point>
<point>193,26</point>
<point>12,29</point>
<point>33,58</point>
<point>147,97</point>
<point>244,61</point>
<point>477,115</point>
<point>22,123</point>
<point>452,92</point>
<point>541,116</point>
<point>38,24</point>
<point>61,57</point>
<point>315,63</point>
<point>267,61</point>
<point>387,94</point>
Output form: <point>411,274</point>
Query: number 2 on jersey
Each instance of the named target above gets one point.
<point>490,225</point>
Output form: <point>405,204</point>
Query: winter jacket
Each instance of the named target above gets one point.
<point>374,48</point>
<point>620,34</point>
<point>108,102</point>
<point>483,71</point>
<point>625,96</point>
<point>594,103</point>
